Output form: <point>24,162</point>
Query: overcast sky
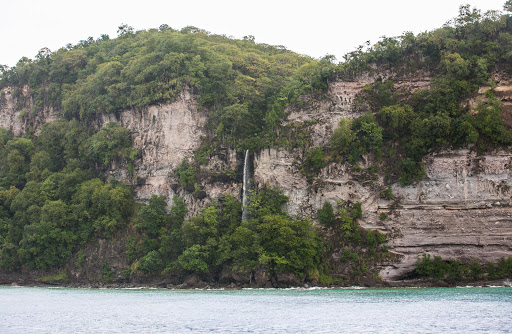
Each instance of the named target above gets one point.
<point>315,28</point>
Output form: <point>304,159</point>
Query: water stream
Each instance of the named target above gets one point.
<point>246,187</point>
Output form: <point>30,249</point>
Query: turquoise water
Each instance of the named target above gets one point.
<point>457,310</point>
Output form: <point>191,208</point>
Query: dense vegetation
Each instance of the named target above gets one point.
<point>456,270</point>
<point>217,238</point>
<point>271,240</point>
<point>244,85</point>
<point>52,194</point>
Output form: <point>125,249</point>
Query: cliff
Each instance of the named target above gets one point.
<point>461,209</point>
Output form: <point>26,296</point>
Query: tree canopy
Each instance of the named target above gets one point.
<point>52,193</point>
<point>245,84</point>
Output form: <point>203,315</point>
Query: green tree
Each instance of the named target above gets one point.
<point>235,119</point>
<point>192,260</point>
<point>186,174</point>
<point>508,6</point>
<point>111,142</point>
<point>152,217</point>
<point>44,245</point>
<point>244,250</point>
<point>150,263</point>
<point>287,245</point>
<point>104,208</point>
<point>343,137</point>
<point>326,215</point>
<point>315,159</point>
<point>368,133</point>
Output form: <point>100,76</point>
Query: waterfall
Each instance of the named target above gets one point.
<point>246,187</point>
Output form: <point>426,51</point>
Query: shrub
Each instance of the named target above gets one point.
<point>315,160</point>
<point>80,257</point>
<point>387,194</point>
<point>186,174</point>
<point>150,263</point>
<point>326,215</point>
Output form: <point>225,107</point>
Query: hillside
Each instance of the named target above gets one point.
<point>122,160</point>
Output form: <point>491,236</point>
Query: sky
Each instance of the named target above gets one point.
<point>315,28</point>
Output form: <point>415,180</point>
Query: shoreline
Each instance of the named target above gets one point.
<point>503,283</point>
<point>56,278</point>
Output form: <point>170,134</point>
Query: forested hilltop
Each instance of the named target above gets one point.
<point>59,205</point>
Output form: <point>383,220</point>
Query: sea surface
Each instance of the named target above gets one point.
<point>443,310</point>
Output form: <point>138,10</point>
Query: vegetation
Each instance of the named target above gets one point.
<point>356,250</point>
<point>244,85</point>
<point>471,44</point>
<point>53,194</point>
<point>61,276</point>
<point>52,198</point>
<point>405,126</point>
<point>186,174</point>
<point>53,202</point>
<point>217,237</point>
<point>457,270</point>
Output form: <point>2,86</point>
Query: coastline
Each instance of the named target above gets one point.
<point>18,280</point>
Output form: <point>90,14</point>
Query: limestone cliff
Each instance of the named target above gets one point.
<point>462,208</point>
<point>164,134</point>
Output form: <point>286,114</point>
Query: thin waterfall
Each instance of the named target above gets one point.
<point>246,187</point>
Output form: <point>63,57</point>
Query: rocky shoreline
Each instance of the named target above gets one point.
<point>194,283</point>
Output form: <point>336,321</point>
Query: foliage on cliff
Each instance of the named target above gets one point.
<point>246,85</point>
<point>454,270</point>
<point>243,84</point>
<point>459,58</point>
<point>52,197</point>
<point>353,252</point>
<point>217,245</point>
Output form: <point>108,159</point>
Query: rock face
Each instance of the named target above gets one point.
<point>462,209</point>
<point>165,135</point>
<point>16,114</point>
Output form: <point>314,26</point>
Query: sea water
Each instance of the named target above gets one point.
<point>443,310</point>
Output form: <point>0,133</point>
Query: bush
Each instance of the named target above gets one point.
<point>456,270</point>
<point>371,240</point>
<point>357,211</point>
<point>186,174</point>
<point>343,137</point>
<point>150,263</point>
<point>110,142</point>
<point>387,194</point>
<point>326,215</point>
<point>411,171</point>
<point>192,260</point>
<point>315,160</point>
<point>80,257</point>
